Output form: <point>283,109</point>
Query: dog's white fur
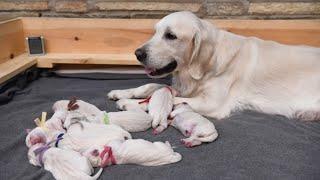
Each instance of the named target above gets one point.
<point>57,120</point>
<point>135,120</point>
<point>136,151</point>
<point>219,72</point>
<point>160,106</point>
<point>131,121</point>
<point>64,164</point>
<point>197,128</point>
<point>82,135</point>
<point>89,110</point>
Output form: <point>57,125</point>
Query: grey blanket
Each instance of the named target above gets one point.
<point>251,145</point>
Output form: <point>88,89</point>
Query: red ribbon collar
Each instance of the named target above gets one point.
<point>148,98</point>
<point>106,162</point>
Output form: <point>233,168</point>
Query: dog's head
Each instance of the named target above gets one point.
<point>175,46</point>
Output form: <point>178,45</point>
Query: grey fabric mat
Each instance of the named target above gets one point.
<point>250,146</point>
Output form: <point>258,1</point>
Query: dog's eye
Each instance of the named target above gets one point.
<point>170,36</point>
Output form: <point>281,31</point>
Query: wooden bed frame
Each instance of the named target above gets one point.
<point>113,41</point>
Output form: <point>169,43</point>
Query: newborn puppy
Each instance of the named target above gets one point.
<point>63,164</point>
<point>82,135</point>
<point>160,106</point>
<point>83,107</point>
<point>132,151</point>
<point>131,121</point>
<point>46,130</point>
<point>197,128</point>
<point>57,120</point>
<point>36,136</point>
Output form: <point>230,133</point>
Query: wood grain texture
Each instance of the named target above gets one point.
<point>11,39</point>
<point>98,36</point>
<point>113,36</point>
<point>51,59</point>
<point>15,66</point>
<point>113,41</point>
<point>292,32</point>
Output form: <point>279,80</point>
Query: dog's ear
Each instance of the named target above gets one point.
<point>194,66</point>
<point>202,52</point>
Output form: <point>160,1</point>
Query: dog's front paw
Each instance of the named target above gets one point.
<point>119,94</point>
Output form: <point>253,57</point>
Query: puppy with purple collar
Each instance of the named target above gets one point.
<point>195,127</point>
<point>63,164</point>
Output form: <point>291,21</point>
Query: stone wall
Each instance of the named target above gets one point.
<point>223,9</point>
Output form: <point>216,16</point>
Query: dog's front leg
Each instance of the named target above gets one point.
<point>205,106</point>
<point>139,92</point>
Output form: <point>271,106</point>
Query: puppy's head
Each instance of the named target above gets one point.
<point>98,156</point>
<point>36,136</point>
<point>174,45</point>
<point>32,156</point>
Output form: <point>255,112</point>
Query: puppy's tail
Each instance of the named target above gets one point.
<point>175,157</point>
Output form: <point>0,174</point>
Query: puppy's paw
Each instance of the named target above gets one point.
<point>122,104</point>
<point>190,143</point>
<point>119,94</point>
<point>158,130</point>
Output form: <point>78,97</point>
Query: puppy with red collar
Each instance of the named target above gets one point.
<point>160,105</point>
<point>197,128</point>
<point>132,151</point>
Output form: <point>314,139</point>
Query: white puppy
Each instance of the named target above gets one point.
<point>160,106</point>
<point>57,120</point>
<point>83,107</point>
<point>133,151</point>
<point>131,121</point>
<point>192,125</point>
<point>82,135</point>
<point>63,164</point>
<point>37,136</point>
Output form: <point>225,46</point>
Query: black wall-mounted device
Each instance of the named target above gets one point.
<point>35,45</point>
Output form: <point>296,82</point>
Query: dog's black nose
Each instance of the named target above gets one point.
<point>141,54</point>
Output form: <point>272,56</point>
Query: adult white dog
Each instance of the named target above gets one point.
<point>217,72</point>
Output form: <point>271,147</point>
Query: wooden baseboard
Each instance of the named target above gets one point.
<point>15,66</point>
<point>51,59</point>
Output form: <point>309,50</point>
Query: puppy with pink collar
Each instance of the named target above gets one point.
<point>132,151</point>
<point>194,126</point>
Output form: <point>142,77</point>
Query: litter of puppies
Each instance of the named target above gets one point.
<point>79,136</point>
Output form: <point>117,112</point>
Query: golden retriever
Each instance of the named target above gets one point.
<point>217,72</point>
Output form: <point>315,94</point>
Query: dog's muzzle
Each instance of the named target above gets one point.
<point>164,70</point>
